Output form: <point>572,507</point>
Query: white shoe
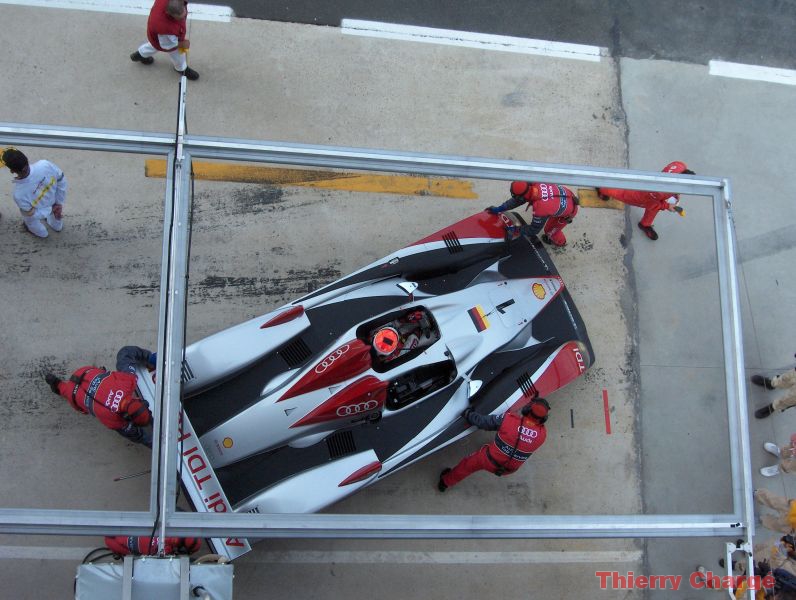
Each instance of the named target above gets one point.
<point>55,224</point>
<point>771,448</point>
<point>769,471</point>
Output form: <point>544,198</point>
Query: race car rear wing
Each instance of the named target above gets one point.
<point>198,478</point>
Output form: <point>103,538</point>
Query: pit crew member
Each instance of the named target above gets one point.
<point>111,396</point>
<point>554,207</point>
<point>520,432</point>
<point>651,202</point>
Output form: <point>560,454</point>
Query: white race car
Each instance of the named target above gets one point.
<point>294,410</point>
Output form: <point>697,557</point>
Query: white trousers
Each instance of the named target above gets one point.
<point>178,59</point>
<point>37,228</point>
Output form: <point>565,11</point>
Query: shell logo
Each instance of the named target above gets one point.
<point>227,443</point>
<point>538,291</point>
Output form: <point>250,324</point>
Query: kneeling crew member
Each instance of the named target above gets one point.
<point>111,396</point>
<point>519,434</point>
<point>554,207</point>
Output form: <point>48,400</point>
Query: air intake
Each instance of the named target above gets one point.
<point>340,444</point>
<point>295,353</point>
<point>187,372</point>
<point>526,385</point>
<point>452,242</point>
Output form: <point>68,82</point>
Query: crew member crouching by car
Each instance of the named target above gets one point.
<point>520,432</point>
<point>111,396</point>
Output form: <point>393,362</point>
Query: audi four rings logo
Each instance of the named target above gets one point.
<point>329,360</point>
<point>355,409</point>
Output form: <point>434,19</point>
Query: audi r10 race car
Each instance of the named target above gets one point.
<point>297,409</point>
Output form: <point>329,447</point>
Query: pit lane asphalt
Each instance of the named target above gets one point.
<point>758,33</point>
<point>93,288</point>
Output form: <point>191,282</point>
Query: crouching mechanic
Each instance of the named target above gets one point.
<point>520,432</point>
<point>122,545</point>
<point>554,207</point>
<point>111,396</point>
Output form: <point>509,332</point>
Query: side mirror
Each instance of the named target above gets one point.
<point>473,387</point>
<point>408,287</point>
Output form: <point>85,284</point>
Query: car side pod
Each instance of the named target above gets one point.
<point>300,494</point>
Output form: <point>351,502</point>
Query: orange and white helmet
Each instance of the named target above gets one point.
<point>386,341</point>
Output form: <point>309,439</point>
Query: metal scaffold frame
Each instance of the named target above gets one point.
<point>179,149</point>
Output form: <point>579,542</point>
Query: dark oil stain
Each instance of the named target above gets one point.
<point>584,244</point>
<point>295,283</point>
<point>249,199</point>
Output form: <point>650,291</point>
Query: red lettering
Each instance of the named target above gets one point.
<point>218,502</point>
<point>199,467</point>
<point>603,575</point>
<point>769,581</point>
<point>200,480</point>
<point>641,582</point>
<point>183,436</point>
<point>234,542</point>
<point>697,581</point>
<point>191,451</point>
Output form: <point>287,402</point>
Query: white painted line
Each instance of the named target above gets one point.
<point>366,557</point>
<point>196,12</point>
<point>467,39</point>
<point>754,72</point>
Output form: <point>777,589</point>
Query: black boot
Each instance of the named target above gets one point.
<point>649,231</point>
<point>441,484</point>
<point>189,73</point>
<point>762,413</point>
<point>52,381</point>
<point>762,382</point>
<point>136,57</point>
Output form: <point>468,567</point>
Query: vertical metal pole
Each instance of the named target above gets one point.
<point>173,324</point>
<point>737,411</point>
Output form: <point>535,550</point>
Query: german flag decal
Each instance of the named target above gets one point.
<point>479,318</point>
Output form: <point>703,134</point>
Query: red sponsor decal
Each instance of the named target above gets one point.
<point>201,474</point>
<point>345,362</point>
<point>364,396</point>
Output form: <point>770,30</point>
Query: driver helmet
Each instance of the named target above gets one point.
<point>386,341</point>
<point>519,189</point>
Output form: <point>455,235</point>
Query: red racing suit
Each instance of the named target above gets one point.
<point>111,396</point>
<point>517,438</point>
<point>162,23</point>
<point>554,207</point>
<point>651,202</point>
<point>122,545</point>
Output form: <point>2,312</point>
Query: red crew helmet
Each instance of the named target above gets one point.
<point>519,189</point>
<point>677,167</point>
<point>386,341</point>
<point>538,408</point>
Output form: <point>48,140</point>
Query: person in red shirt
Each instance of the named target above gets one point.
<point>520,432</point>
<point>165,32</point>
<point>122,545</point>
<point>111,396</point>
<point>554,207</point>
<point>651,202</point>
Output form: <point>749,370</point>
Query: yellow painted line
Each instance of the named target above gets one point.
<point>352,182</point>
<point>588,198</point>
